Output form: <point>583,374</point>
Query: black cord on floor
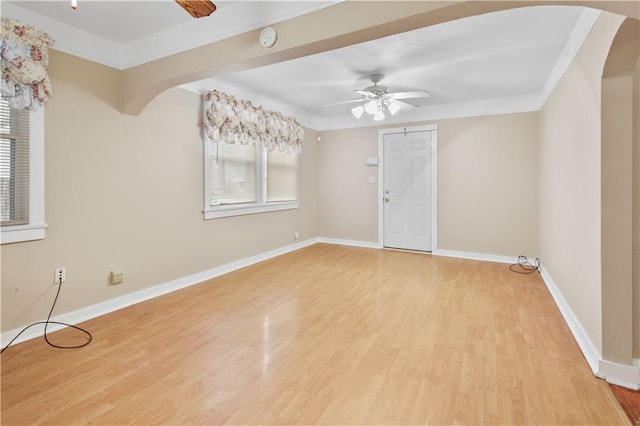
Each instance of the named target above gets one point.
<point>46,325</point>
<point>524,267</point>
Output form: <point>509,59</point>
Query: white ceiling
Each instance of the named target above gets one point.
<point>123,34</point>
<point>502,62</point>
<point>118,21</point>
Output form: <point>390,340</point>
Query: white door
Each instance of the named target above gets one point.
<point>407,190</point>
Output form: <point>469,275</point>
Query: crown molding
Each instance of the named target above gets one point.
<point>179,38</point>
<point>69,39</point>
<point>580,32</point>
<point>195,34</point>
<point>509,105</point>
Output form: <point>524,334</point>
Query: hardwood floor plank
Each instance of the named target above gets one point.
<point>324,335</point>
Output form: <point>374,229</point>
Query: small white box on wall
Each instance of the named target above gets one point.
<point>372,161</point>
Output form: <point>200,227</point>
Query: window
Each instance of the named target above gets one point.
<point>21,174</point>
<point>14,166</point>
<point>282,177</point>
<point>243,179</point>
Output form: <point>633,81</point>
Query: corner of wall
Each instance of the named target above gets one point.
<point>636,210</point>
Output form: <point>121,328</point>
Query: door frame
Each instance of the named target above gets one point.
<point>434,178</point>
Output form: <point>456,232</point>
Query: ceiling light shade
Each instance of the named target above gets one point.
<point>371,107</point>
<point>357,111</point>
<point>379,115</point>
<point>393,108</point>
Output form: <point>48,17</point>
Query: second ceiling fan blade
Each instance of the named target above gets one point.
<point>406,104</point>
<point>197,8</point>
<point>409,95</point>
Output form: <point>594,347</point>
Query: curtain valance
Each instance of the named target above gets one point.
<point>230,120</point>
<point>24,60</point>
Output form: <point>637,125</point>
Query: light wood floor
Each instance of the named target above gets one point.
<point>324,335</point>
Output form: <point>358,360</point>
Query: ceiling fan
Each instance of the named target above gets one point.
<point>378,99</point>
<point>197,8</point>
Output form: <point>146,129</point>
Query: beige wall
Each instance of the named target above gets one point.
<point>121,191</point>
<point>570,134</point>
<point>487,184</point>
<point>127,192</point>
<point>619,227</point>
<point>617,209</point>
<point>636,210</point>
<point>348,203</point>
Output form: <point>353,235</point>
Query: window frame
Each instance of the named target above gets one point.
<point>261,206</point>
<point>35,229</point>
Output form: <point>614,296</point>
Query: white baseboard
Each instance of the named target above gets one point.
<point>353,243</point>
<point>476,256</point>
<point>102,308</point>
<point>627,376</point>
<point>619,374</point>
<point>589,350</point>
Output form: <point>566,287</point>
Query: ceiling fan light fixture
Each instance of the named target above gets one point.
<point>393,108</point>
<point>357,111</point>
<point>378,116</point>
<point>371,107</point>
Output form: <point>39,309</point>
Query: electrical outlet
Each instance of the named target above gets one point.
<point>117,277</point>
<point>60,275</point>
<point>296,235</point>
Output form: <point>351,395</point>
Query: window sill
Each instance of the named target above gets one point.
<point>21,233</point>
<point>228,211</point>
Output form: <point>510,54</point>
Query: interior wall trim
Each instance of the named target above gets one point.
<point>173,40</point>
<point>618,374</point>
<point>112,305</point>
<point>477,256</point>
<point>588,348</point>
<point>615,373</point>
<point>106,307</point>
<point>352,243</point>
<point>580,32</point>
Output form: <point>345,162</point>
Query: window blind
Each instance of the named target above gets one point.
<point>14,165</point>
<point>233,173</point>
<point>282,177</point>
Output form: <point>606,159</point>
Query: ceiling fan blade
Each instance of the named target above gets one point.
<point>366,93</point>
<point>348,102</point>
<point>404,103</point>
<point>409,95</point>
<point>197,8</point>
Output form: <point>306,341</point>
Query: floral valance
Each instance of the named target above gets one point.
<point>24,60</point>
<point>230,120</point>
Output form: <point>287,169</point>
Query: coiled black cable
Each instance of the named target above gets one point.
<point>46,325</point>
<point>524,267</point>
